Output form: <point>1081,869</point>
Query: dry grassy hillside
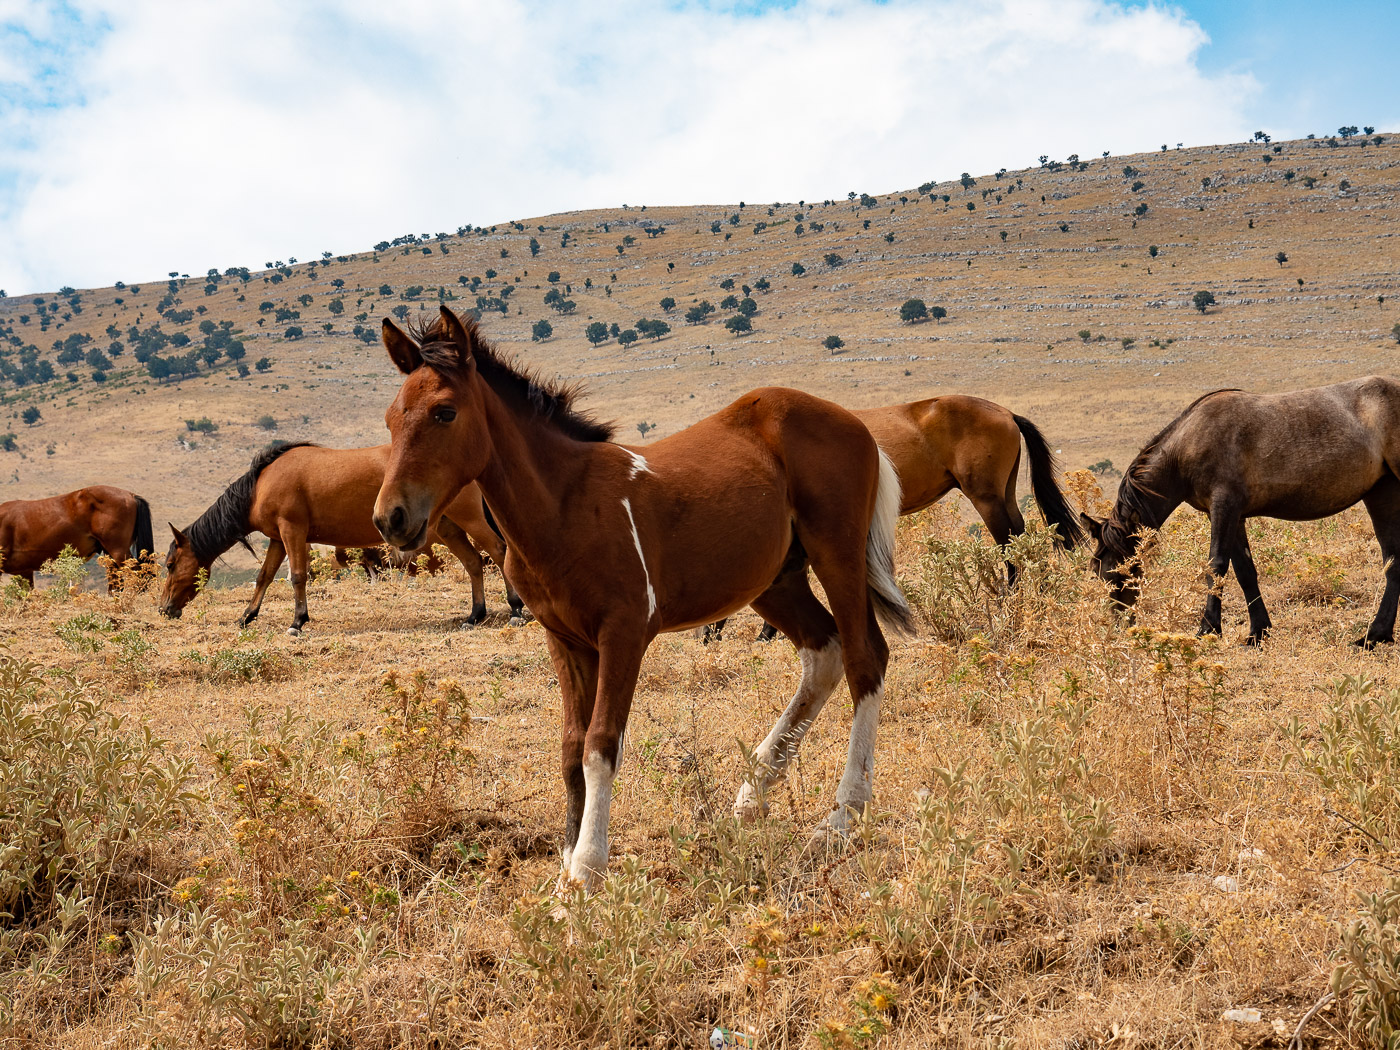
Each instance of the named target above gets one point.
<point>1015,304</point>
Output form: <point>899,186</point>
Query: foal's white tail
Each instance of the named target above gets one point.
<point>891,609</point>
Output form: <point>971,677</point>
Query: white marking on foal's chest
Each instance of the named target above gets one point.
<point>637,540</point>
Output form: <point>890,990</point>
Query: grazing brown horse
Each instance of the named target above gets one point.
<point>965,443</point>
<point>374,560</point>
<point>1299,456</point>
<point>298,494</point>
<point>611,546</point>
<point>96,520</point>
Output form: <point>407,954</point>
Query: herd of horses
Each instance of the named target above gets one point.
<point>610,545</point>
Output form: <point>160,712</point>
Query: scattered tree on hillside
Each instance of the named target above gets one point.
<point>798,269</point>
<point>937,313</point>
<point>833,343</point>
<point>1281,258</point>
<point>1152,250</point>
<point>541,330</point>
<point>627,337</point>
<point>1203,299</point>
<point>739,324</point>
<point>668,304</point>
<point>913,310</point>
<point>31,415</point>
<point>596,333</point>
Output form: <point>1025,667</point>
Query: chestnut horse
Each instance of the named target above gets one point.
<point>969,444</point>
<point>1299,456</point>
<point>611,546</point>
<point>299,494</point>
<point>96,520</point>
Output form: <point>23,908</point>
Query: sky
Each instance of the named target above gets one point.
<point>139,137</point>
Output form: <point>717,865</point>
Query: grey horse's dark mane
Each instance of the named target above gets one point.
<point>1139,500</point>
<point>549,399</point>
<point>225,523</point>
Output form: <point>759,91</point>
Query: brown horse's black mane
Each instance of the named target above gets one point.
<point>226,521</point>
<point>550,400</point>
<point>1139,498</point>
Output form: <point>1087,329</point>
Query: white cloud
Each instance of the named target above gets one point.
<point>222,135</point>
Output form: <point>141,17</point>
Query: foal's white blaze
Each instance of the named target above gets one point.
<point>821,671</point>
<point>856,787</point>
<point>637,540</point>
<point>588,861</point>
<point>639,464</point>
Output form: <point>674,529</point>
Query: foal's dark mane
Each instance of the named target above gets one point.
<point>226,521</point>
<point>550,399</point>
<point>1138,496</point>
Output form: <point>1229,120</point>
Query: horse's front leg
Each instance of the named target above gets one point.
<point>577,669</point>
<point>619,660</point>
<point>272,561</point>
<point>1243,559</point>
<point>1225,523</point>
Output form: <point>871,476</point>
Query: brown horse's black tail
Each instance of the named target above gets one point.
<point>143,541</point>
<point>1053,505</point>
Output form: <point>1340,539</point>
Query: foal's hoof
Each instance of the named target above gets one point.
<point>748,807</point>
<point>516,621</point>
<point>1254,641</point>
<point>293,632</point>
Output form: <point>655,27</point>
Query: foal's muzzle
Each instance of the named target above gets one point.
<point>400,528</point>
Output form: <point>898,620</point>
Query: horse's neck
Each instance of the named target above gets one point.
<point>1159,492</point>
<point>532,464</point>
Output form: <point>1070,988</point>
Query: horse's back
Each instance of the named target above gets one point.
<point>943,443</point>
<point>331,491</point>
<point>1297,454</point>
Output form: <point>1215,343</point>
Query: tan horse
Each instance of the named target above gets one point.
<point>1299,456</point>
<point>974,446</point>
<point>612,545</point>
<point>300,494</point>
<point>96,520</point>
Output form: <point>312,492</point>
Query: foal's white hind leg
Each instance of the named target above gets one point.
<point>821,671</point>
<point>856,788</point>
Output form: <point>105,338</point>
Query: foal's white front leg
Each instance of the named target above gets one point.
<point>587,862</point>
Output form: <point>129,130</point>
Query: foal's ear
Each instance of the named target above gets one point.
<point>403,351</point>
<point>463,339</point>
<point>1093,526</point>
<point>181,540</point>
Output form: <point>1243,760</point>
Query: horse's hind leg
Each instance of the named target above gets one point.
<point>864,656</point>
<point>790,604</point>
<point>1383,504</point>
<point>1243,560</point>
<point>460,544</point>
<point>1002,517</point>
<point>276,551</point>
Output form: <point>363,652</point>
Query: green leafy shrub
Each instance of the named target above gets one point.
<point>1353,756</point>
<point>81,798</point>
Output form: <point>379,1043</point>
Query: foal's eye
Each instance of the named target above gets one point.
<point>446,414</point>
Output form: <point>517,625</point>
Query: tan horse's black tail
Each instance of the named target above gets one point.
<point>143,541</point>
<point>1046,489</point>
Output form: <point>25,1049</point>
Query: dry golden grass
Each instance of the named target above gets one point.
<point>1084,833</point>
